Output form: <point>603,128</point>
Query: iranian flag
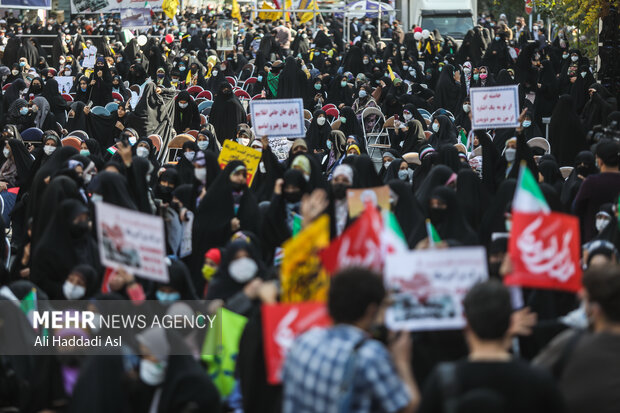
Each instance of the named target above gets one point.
<point>392,239</point>
<point>544,245</point>
<point>433,235</point>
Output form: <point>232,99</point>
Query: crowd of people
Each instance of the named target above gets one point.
<point>135,98</point>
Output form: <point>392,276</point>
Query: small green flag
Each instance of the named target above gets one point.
<point>297,223</point>
<point>433,235</point>
<point>28,304</point>
<point>221,347</point>
<point>463,137</point>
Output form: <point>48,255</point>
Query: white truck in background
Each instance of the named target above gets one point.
<point>451,17</point>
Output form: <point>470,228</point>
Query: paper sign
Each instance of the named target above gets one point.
<point>90,55</point>
<point>224,35</point>
<point>301,273</point>
<point>280,148</point>
<point>544,249</point>
<point>358,198</point>
<point>136,18</point>
<point>428,286</point>
<point>359,245</point>
<point>132,240</point>
<point>233,151</point>
<point>278,118</point>
<point>494,107</point>
<point>65,83</point>
<point>282,323</point>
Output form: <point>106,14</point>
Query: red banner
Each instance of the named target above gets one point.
<point>282,323</point>
<point>544,249</point>
<point>359,245</point>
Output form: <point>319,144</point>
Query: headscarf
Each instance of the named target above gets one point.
<point>44,109</point>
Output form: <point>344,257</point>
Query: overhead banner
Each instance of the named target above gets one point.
<point>26,4</point>
<point>233,151</point>
<point>132,240</point>
<point>278,118</point>
<point>494,107</point>
<point>428,286</point>
<point>545,251</point>
<point>136,18</point>
<point>110,6</point>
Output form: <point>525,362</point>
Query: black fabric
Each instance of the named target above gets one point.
<point>566,135</point>
<point>226,113</point>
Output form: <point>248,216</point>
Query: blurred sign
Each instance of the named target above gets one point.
<point>278,118</point>
<point>494,107</point>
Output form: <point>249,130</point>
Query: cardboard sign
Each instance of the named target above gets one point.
<point>280,147</point>
<point>65,83</point>
<point>224,35</point>
<point>544,249</point>
<point>376,197</point>
<point>132,240</point>
<point>428,287</point>
<point>278,118</point>
<point>282,323</point>
<point>359,245</point>
<point>90,56</point>
<point>301,274</point>
<point>233,151</point>
<point>494,107</point>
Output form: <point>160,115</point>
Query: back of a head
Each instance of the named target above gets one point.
<point>351,292</point>
<point>602,285</point>
<point>488,310</point>
<point>608,152</point>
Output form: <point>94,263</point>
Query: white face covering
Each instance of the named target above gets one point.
<point>49,149</point>
<point>320,121</point>
<point>243,141</point>
<point>510,154</point>
<point>6,153</point>
<point>601,224</point>
<point>466,108</point>
<point>201,174</point>
<point>386,164</point>
<point>142,152</point>
<point>407,116</point>
<point>189,155</point>
<point>202,145</point>
<point>152,373</point>
<point>242,269</point>
<point>73,291</point>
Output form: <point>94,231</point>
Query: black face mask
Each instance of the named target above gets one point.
<point>238,186</point>
<point>438,215</point>
<point>340,191</point>
<point>78,230</point>
<point>494,269</point>
<point>35,88</point>
<point>292,197</point>
<point>164,193</point>
<point>582,170</point>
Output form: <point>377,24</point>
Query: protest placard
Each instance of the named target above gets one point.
<point>282,323</point>
<point>224,35</point>
<point>280,147</point>
<point>90,55</point>
<point>544,249</point>
<point>132,240</point>
<point>233,151</point>
<point>136,18</point>
<point>65,83</point>
<point>377,197</point>
<point>428,286</point>
<point>302,276</point>
<point>278,118</point>
<point>494,107</point>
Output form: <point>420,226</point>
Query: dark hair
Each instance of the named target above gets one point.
<point>351,291</point>
<point>603,287</point>
<point>488,310</point>
<point>607,151</point>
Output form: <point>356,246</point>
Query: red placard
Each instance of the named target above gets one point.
<point>544,249</point>
<point>529,6</point>
<point>359,245</point>
<point>282,323</point>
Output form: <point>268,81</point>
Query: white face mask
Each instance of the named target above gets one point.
<point>152,373</point>
<point>201,174</point>
<point>189,155</point>
<point>72,291</point>
<point>243,141</point>
<point>142,152</point>
<point>320,121</point>
<point>6,153</point>
<point>202,145</point>
<point>242,269</point>
<point>574,58</point>
<point>466,108</point>
<point>601,224</point>
<point>132,140</point>
<point>214,73</point>
<point>386,164</point>
<point>510,154</point>
<point>435,127</point>
<point>49,149</point>
<point>183,105</point>
<point>407,116</point>
<point>261,167</point>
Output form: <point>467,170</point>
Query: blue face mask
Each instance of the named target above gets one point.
<point>329,145</point>
<point>23,111</point>
<point>182,68</point>
<point>83,89</point>
<point>167,298</point>
<point>259,79</point>
<point>317,86</point>
<point>527,123</point>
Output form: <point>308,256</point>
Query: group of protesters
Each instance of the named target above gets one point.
<point>126,105</point>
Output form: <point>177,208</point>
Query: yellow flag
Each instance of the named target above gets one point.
<point>306,16</point>
<point>288,4</point>
<point>236,13</point>
<point>391,73</point>
<point>265,15</point>
<point>170,8</point>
